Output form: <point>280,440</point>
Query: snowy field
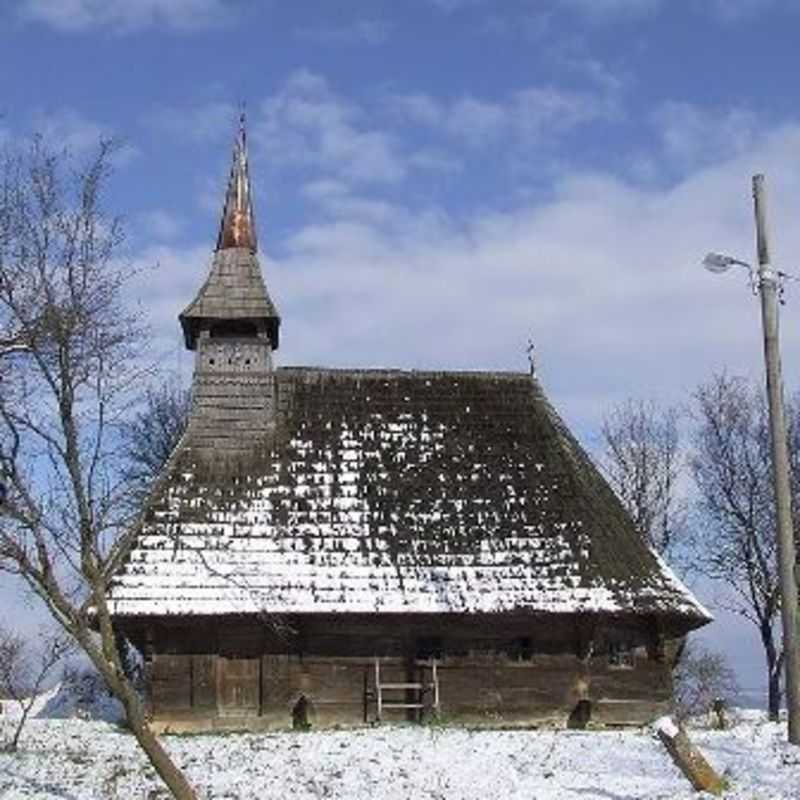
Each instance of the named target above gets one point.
<point>75,759</point>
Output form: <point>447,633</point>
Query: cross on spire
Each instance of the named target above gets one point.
<point>237,228</point>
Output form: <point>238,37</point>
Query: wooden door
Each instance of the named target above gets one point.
<point>239,681</point>
<point>275,688</point>
<point>170,683</point>
<point>204,683</point>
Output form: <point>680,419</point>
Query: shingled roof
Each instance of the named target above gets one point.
<point>389,491</point>
<point>234,291</point>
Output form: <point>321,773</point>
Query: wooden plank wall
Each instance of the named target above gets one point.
<point>243,674</point>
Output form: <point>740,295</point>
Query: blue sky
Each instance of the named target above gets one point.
<point>437,181</point>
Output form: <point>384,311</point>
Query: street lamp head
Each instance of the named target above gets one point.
<point>716,262</point>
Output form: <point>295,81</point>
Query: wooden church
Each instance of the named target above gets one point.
<point>338,547</point>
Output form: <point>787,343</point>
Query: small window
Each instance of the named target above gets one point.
<point>620,654</point>
<point>429,647</point>
<point>520,649</point>
<point>233,329</point>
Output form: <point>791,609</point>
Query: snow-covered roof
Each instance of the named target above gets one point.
<point>388,491</point>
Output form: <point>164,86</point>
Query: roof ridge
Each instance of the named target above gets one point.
<point>399,371</point>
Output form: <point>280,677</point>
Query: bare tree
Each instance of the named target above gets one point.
<point>735,531</point>
<point>643,460</point>
<point>147,442</point>
<point>66,517</point>
<point>702,677</point>
<point>23,676</point>
<point>151,436</point>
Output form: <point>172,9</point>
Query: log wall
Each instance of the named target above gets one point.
<point>244,673</point>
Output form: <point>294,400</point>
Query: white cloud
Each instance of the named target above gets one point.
<point>449,6</point>
<point>371,32</point>
<point>692,134</point>
<point>573,53</point>
<point>596,71</point>
<point>736,10</point>
<point>724,10</point>
<point>526,115</point>
<point>308,124</point>
<point>167,279</point>
<point>420,107</point>
<point>605,277</point>
<point>201,123</point>
<point>160,224</point>
<point>69,129</point>
<point>476,121</point>
<point>337,200</point>
<point>605,9</point>
<point>434,160</point>
<point>322,190</point>
<point>72,16</point>
<point>604,274</point>
<point>601,10</point>
<point>313,127</point>
<point>538,110</point>
<point>529,20</point>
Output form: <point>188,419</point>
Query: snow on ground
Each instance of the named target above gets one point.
<point>82,694</point>
<point>75,759</point>
<point>12,710</point>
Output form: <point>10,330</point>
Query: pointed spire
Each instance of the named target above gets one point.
<point>237,228</point>
<point>234,291</point>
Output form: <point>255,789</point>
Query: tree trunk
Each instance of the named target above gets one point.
<point>774,696</point>
<point>25,709</point>
<point>109,663</point>
<point>773,670</point>
<point>158,756</point>
<point>123,690</point>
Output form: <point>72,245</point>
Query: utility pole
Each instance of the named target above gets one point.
<point>768,287</point>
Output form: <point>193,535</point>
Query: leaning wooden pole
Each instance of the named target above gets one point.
<point>768,287</point>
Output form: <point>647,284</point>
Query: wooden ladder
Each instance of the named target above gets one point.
<point>418,686</point>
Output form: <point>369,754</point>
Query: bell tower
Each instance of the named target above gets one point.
<point>232,325</point>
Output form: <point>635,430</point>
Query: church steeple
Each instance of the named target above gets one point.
<point>234,300</point>
<point>237,227</point>
<point>232,325</point>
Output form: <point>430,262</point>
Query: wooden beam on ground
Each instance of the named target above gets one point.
<point>688,758</point>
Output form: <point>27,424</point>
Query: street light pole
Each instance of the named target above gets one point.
<point>768,287</point>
